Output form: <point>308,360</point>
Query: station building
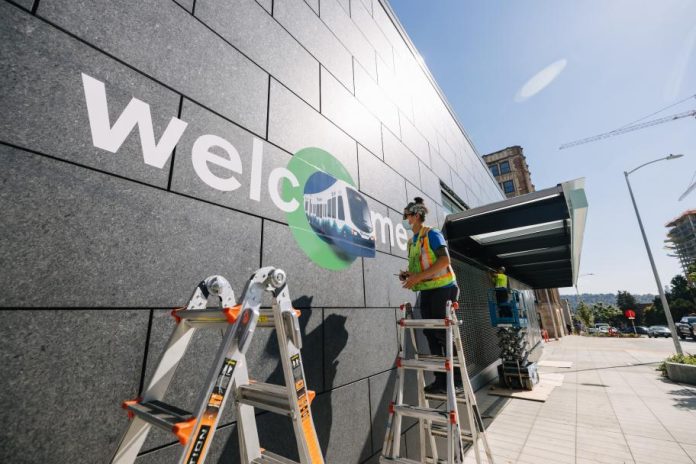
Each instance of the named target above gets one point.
<point>147,145</point>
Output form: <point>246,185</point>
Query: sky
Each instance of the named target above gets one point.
<point>541,73</point>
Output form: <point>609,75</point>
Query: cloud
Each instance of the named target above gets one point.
<point>540,80</point>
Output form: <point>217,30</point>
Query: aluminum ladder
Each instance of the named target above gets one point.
<point>228,376</point>
<point>434,422</point>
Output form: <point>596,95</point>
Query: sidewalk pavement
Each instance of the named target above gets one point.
<point>613,407</point>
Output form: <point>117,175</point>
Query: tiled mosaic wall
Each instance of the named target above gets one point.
<point>100,245</point>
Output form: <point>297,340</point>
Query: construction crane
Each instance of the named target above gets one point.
<point>692,186</point>
<point>623,130</point>
<point>635,126</point>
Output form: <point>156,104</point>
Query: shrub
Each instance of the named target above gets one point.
<point>689,359</point>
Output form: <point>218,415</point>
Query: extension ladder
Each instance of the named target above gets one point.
<point>433,422</point>
<point>228,376</point>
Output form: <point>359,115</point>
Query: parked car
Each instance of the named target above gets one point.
<point>659,331</point>
<point>642,330</point>
<point>686,327</point>
<point>597,328</point>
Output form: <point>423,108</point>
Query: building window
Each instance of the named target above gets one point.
<point>450,204</point>
<point>504,167</point>
<point>494,170</point>
<point>508,186</point>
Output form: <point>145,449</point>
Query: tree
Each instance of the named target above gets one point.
<point>681,300</point>
<point>691,271</point>
<point>607,313</point>
<point>653,314</point>
<point>584,314</point>
<point>681,289</point>
<point>624,300</point>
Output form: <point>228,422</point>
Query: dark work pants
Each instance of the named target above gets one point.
<point>502,297</point>
<point>433,305</point>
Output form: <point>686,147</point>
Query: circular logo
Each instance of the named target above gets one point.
<point>333,224</point>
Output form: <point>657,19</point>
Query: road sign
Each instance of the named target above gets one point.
<point>629,313</point>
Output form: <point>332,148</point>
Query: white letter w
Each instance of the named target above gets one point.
<point>136,113</point>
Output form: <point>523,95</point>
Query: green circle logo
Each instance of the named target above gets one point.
<point>333,224</point>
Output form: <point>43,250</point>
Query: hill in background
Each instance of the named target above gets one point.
<point>606,298</point>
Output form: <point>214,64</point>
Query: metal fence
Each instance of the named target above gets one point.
<point>478,335</point>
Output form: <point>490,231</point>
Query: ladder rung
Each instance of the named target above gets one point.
<point>400,460</point>
<point>441,431</point>
<point>461,398</point>
<point>385,460</point>
<point>432,357</point>
<point>265,396</point>
<point>427,323</point>
<point>159,414</point>
<point>271,458</point>
<point>434,415</point>
<point>427,365</point>
<point>216,318</point>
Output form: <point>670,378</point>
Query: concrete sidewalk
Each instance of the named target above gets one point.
<point>613,407</point>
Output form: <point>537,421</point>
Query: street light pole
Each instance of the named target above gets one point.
<point>576,286</point>
<point>665,306</point>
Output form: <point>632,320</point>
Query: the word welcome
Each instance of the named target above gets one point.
<point>156,153</point>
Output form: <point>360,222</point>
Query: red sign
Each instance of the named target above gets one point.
<point>629,313</point>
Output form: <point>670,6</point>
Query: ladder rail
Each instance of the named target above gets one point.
<point>470,395</point>
<point>228,377</point>
<point>289,342</point>
<point>136,433</point>
<point>449,420</point>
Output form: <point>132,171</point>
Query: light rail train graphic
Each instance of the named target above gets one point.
<point>339,215</point>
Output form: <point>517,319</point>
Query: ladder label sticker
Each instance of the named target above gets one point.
<point>199,445</point>
<point>215,401</point>
<point>223,382</point>
<point>308,430</point>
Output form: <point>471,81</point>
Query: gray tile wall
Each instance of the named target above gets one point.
<point>101,244</point>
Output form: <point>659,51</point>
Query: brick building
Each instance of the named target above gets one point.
<point>509,167</point>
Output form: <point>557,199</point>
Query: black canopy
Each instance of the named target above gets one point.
<point>537,236</point>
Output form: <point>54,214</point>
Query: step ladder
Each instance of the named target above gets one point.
<point>433,422</point>
<point>228,376</point>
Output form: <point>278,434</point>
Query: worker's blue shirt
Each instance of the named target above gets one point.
<point>437,241</point>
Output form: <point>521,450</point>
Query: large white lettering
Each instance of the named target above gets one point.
<point>273,180</point>
<point>136,113</point>
<point>201,156</point>
<point>256,167</point>
<point>401,236</point>
<point>226,156</point>
<point>387,227</point>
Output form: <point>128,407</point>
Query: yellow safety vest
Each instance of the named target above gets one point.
<point>501,280</point>
<point>421,257</point>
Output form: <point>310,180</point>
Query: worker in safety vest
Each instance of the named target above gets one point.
<point>500,281</point>
<point>502,291</point>
<point>431,274</point>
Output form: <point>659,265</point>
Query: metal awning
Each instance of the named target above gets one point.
<point>537,236</point>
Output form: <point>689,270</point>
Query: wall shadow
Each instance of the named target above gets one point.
<point>275,431</point>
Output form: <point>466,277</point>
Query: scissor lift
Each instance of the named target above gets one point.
<point>511,318</point>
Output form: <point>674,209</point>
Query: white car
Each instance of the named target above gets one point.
<point>659,331</point>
